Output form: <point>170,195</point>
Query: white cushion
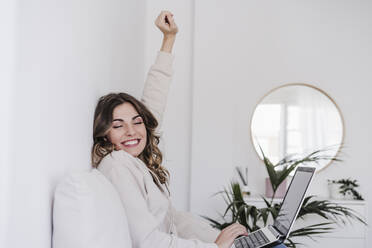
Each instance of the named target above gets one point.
<point>87,213</point>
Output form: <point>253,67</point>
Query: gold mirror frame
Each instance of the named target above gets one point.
<point>315,88</point>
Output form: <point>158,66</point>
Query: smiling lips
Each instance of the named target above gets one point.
<point>131,143</point>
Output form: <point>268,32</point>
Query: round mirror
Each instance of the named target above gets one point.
<point>297,119</point>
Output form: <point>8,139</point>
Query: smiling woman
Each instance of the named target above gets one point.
<point>126,151</point>
<point>121,122</point>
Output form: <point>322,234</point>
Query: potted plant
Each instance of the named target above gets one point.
<point>243,175</point>
<point>254,218</point>
<point>344,189</point>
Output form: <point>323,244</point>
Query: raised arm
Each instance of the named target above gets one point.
<point>159,77</point>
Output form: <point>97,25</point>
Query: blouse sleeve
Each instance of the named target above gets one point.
<point>142,224</point>
<point>190,226</point>
<point>155,92</point>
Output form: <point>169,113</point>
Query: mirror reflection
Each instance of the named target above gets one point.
<point>297,119</point>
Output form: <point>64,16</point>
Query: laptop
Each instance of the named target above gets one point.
<point>291,205</point>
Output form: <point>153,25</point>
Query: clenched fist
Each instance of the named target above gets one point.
<point>165,22</point>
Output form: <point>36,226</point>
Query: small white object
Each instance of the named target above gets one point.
<point>246,190</point>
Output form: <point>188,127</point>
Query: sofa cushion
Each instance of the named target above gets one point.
<point>87,213</point>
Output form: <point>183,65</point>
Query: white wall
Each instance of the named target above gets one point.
<point>245,48</point>
<point>7,59</point>
<point>68,54</point>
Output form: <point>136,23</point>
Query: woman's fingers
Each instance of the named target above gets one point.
<point>172,24</point>
<point>160,20</point>
<point>165,22</point>
<point>235,226</point>
<point>239,233</point>
<point>237,229</point>
<point>229,234</point>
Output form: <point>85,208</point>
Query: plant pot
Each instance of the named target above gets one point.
<point>246,191</point>
<point>280,192</point>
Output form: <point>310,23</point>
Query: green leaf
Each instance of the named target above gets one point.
<point>215,224</point>
<point>270,170</point>
<point>250,216</point>
<point>321,228</point>
<point>241,176</point>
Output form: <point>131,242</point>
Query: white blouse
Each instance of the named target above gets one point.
<point>152,220</point>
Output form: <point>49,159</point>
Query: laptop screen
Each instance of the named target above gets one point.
<point>293,199</point>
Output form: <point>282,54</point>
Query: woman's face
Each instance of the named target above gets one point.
<point>128,131</point>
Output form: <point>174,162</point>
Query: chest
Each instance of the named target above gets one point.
<point>158,201</point>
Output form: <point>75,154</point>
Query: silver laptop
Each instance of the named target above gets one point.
<point>288,212</point>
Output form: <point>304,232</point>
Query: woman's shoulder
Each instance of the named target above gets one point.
<point>119,160</point>
<point>124,171</point>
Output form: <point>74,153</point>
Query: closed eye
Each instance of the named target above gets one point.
<point>117,126</point>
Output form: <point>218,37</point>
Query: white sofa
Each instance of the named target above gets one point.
<point>87,213</point>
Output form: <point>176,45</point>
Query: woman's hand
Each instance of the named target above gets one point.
<point>229,234</point>
<point>165,22</point>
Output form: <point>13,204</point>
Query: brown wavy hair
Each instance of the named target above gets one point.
<point>103,114</point>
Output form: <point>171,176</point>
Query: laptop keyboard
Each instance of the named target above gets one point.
<point>253,240</point>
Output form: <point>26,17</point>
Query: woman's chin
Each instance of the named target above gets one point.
<point>131,152</point>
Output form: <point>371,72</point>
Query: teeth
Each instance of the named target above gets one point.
<point>131,142</point>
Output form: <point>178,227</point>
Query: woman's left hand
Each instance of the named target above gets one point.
<point>165,22</point>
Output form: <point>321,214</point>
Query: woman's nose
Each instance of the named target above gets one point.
<point>130,131</point>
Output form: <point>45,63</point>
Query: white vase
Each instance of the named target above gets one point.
<point>245,190</point>
<point>280,192</point>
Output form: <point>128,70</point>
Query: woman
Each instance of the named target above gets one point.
<point>126,151</point>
